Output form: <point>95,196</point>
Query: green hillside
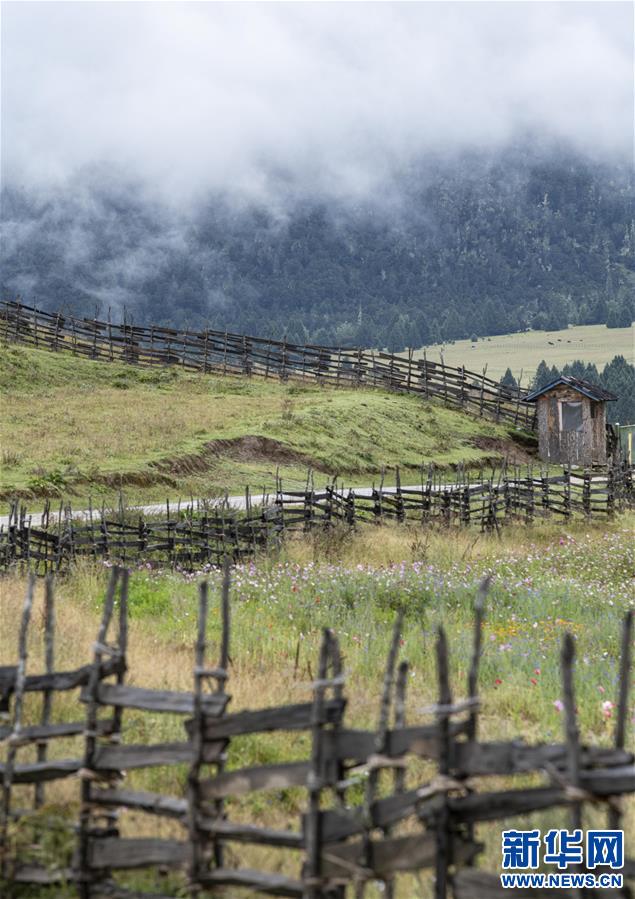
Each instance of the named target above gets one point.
<point>77,427</point>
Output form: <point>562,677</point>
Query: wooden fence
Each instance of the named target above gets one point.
<point>220,351</point>
<point>198,534</point>
<point>403,821</point>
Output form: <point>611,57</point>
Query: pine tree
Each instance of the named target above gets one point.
<point>543,376</point>
<point>618,376</point>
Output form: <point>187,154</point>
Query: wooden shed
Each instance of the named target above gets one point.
<point>571,421</point>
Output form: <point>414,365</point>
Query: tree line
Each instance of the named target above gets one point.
<point>617,376</point>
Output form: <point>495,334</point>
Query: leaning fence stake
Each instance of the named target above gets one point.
<point>615,814</point>
<point>49,663</point>
<point>84,873</point>
<point>18,702</point>
<point>571,727</point>
<point>312,879</point>
<point>443,724</point>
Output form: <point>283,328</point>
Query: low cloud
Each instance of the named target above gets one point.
<point>252,99</point>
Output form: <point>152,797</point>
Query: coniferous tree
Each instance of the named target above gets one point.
<point>542,377</point>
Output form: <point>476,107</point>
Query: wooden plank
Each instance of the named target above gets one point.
<point>60,680</point>
<point>408,853</point>
<point>500,758</point>
<point>286,717</point>
<point>256,881</point>
<point>125,758</point>
<point>337,824</point>
<point>358,745</point>
<point>38,772</point>
<point>39,875</point>
<point>42,732</point>
<point>609,782</point>
<point>119,853</point>
<point>495,805</point>
<point>123,696</point>
<point>153,803</point>
<point>251,833</point>
<point>246,780</point>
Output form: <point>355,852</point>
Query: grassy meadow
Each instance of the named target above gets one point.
<point>547,579</point>
<point>591,343</point>
<point>74,427</point>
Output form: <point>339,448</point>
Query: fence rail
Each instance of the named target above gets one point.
<point>342,839</point>
<point>198,534</point>
<point>238,354</point>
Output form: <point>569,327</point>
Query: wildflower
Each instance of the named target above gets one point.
<point>558,705</point>
<point>497,682</point>
<point>607,707</point>
<point>534,681</point>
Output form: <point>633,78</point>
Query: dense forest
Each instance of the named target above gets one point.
<point>453,248</point>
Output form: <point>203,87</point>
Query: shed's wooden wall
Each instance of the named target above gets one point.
<point>583,447</point>
<point>599,433</point>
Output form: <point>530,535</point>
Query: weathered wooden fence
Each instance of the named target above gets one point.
<point>343,839</point>
<point>198,534</point>
<point>220,351</point>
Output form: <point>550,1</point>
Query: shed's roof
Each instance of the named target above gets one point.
<point>593,391</point>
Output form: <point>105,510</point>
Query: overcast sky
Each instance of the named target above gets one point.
<point>188,96</point>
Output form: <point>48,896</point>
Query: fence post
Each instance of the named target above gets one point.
<point>35,334</point>
<point>401,514</point>
<point>312,878</point>
<point>480,409</point>
<point>84,874</point>
<point>567,493</point>
<point>472,677</point>
<point>49,664</point>
<point>18,312</point>
<point>445,383</point>
<point>586,493</point>
<point>379,746</point>
<point>610,492</point>
<point>381,494</point>
<point>465,505</point>
<point>57,331</point>
<point>110,344</point>
<point>426,386</point>
<point>572,735</point>
<point>442,822</point>
<point>544,482</point>
<point>623,684</point>
<point>197,856</point>
<point>18,700</point>
<point>246,366</point>
<point>520,377</point>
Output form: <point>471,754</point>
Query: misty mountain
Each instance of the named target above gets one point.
<point>475,244</point>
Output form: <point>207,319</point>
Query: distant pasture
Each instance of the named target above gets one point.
<point>591,343</point>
